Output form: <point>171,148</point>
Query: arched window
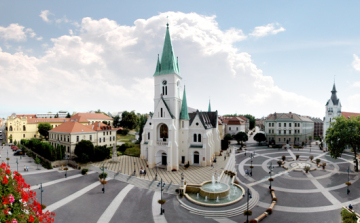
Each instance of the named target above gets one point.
<point>77,138</point>
<point>24,128</point>
<point>10,127</point>
<point>199,137</point>
<point>163,131</point>
<point>90,137</point>
<point>195,138</point>
<point>148,135</point>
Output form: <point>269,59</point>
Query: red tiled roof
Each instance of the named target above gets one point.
<point>349,114</point>
<point>96,127</point>
<point>49,120</point>
<point>72,127</point>
<point>84,117</point>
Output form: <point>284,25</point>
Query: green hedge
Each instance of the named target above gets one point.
<point>348,217</point>
<point>45,149</point>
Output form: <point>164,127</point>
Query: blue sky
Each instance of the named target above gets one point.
<point>318,40</point>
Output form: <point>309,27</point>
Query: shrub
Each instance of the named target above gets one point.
<point>102,175</point>
<point>297,156</point>
<point>84,171</point>
<point>123,132</point>
<point>84,150</point>
<point>43,206</point>
<point>283,158</point>
<point>318,161</point>
<point>311,157</point>
<point>348,183</point>
<point>279,162</point>
<point>323,164</point>
<point>347,216</point>
<point>269,211</point>
<point>306,168</point>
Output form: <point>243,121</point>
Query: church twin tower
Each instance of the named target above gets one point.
<point>171,135</point>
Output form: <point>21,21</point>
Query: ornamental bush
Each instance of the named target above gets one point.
<point>18,202</point>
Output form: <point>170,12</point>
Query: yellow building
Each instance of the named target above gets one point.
<point>26,126</point>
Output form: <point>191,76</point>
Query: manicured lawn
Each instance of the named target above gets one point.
<point>125,138</point>
<point>134,151</point>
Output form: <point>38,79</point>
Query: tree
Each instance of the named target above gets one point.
<point>241,137</point>
<point>116,121</point>
<point>105,122</point>
<point>57,115</point>
<point>68,115</point>
<point>37,161</point>
<point>251,120</point>
<point>84,150</point>
<point>341,134</point>
<point>259,137</point>
<point>44,128</point>
<point>228,137</point>
<point>129,120</point>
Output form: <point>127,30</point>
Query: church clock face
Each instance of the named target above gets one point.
<point>164,82</point>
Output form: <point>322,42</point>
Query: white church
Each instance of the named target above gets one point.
<point>332,111</point>
<point>171,135</point>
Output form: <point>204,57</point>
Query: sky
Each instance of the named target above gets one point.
<point>247,57</point>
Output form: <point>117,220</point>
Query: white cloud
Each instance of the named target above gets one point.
<point>44,15</point>
<point>356,84</point>
<point>269,29</point>
<point>13,32</point>
<point>110,66</point>
<point>39,38</point>
<point>356,62</point>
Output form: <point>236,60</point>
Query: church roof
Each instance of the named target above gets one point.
<point>184,109</point>
<point>208,119</point>
<point>333,98</point>
<point>167,107</point>
<point>168,64</point>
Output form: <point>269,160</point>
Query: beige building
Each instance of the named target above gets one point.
<point>221,128</point>
<point>26,126</point>
<point>70,133</point>
<point>288,128</point>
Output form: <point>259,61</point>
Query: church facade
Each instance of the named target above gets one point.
<point>332,111</point>
<point>172,136</point>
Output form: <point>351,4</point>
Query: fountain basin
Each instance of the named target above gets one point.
<point>214,190</point>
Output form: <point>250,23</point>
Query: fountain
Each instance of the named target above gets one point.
<point>197,196</point>
<point>229,197</point>
<point>205,198</point>
<point>217,199</point>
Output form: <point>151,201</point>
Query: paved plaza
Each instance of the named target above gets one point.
<point>316,196</point>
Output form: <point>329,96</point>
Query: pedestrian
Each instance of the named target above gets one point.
<point>350,207</point>
<point>247,172</point>
<point>212,165</point>
<point>225,157</point>
<point>27,169</point>
<point>24,168</point>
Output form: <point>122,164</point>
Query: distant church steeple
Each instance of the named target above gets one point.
<point>334,98</point>
<point>184,111</point>
<point>209,109</point>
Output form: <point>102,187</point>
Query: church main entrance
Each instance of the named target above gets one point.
<point>196,158</point>
<point>163,159</point>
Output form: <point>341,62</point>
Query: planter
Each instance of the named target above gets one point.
<point>161,201</point>
<point>348,183</point>
<point>269,211</point>
<point>7,158</point>
<point>271,179</point>
<point>103,182</point>
<point>247,212</point>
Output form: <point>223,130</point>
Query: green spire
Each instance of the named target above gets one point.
<point>184,111</point>
<point>168,64</point>
<point>158,66</point>
<point>209,109</point>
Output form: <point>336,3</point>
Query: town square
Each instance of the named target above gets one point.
<point>179,112</point>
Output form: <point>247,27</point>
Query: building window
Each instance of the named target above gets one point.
<point>10,128</point>
<point>284,124</point>
<point>104,139</point>
<point>161,111</point>
<point>68,138</point>
<point>284,139</point>
<point>279,124</point>
<point>279,132</point>
<point>114,138</point>
<point>61,138</point>
<point>23,135</point>
<point>237,128</point>
<point>289,139</point>
<point>77,138</point>
<point>100,140</point>
<point>34,136</point>
<point>199,137</point>
<point>182,124</point>
<point>284,132</point>
<point>103,133</point>
<point>110,132</point>
<point>279,139</point>
<point>229,128</point>
<point>289,124</point>
<point>195,138</point>
<point>290,132</point>
<point>148,135</point>
<point>90,137</point>
<point>24,128</point>
<point>299,123</point>
<point>110,139</point>
<point>269,124</point>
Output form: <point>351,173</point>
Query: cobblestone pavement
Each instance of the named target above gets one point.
<point>194,174</point>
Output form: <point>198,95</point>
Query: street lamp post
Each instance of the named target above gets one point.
<point>271,167</point>
<point>134,169</point>
<point>161,185</point>
<point>41,190</point>
<point>67,165</point>
<point>348,190</point>
<point>252,155</point>
<point>247,204</point>
<point>103,173</point>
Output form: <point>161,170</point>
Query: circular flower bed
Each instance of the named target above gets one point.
<point>18,202</point>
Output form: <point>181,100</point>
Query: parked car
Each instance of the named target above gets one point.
<point>14,148</point>
<point>18,152</point>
